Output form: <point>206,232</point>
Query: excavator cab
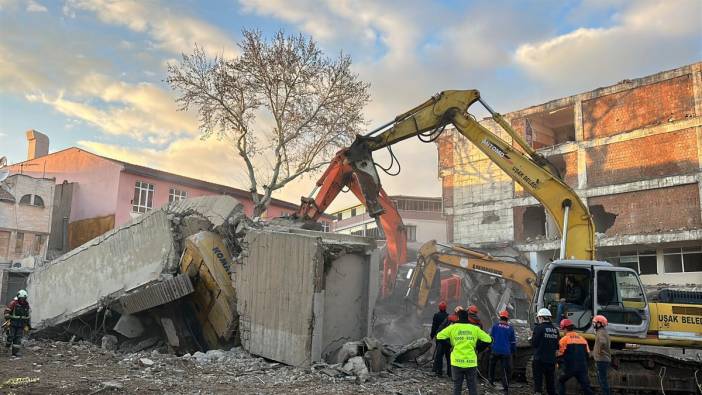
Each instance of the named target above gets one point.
<point>579,290</point>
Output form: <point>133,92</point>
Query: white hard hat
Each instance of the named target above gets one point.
<point>22,294</point>
<point>544,313</point>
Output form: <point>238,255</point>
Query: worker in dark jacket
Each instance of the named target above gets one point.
<point>442,347</point>
<point>475,320</point>
<point>572,357</point>
<point>504,345</point>
<point>544,341</point>
<point>17,320</point>
<point>473,316</point>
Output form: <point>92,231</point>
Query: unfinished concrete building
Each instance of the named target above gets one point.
<point>26,205</point>
<point>633,153</point>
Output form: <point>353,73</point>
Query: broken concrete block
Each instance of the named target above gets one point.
<point>170,330</point>
<point>129,326</point>
<point>215,355</point>
<point>146,362</point>
<point>109,342</point>
<point>372,343</point>
<point>357,367</point>
<point>348,350</point>
<point>414,350</point>
<point>132,346</point>
<point>376,360</point>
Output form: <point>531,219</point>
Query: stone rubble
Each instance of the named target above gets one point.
<point>82,367</point>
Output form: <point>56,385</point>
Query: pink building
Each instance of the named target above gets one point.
<point>99,193</point>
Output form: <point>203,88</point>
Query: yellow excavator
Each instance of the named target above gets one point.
<point>590,287</point>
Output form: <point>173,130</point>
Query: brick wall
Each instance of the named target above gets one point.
<point>652,211</point>
<point>648,157</point>
<point>636,108</point>
<point>566,163</point>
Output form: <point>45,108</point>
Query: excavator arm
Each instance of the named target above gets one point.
<point>353,167</point>
<point>342,174</point>
<point>432,255</point>
<point>528,168</point>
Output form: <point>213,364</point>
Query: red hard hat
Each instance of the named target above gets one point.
<point>566,323</point>
<point>600,319</point>
<point>473,309</point>
<point>453,318</point>
<point>442,305</point>
<point>504,314</point>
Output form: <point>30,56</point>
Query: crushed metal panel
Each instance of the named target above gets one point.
<point>157,294</point>
<point>275,288</point>
<point>204,261</point>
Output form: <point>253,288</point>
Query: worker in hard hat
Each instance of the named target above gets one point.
<point>442,348</point>
<point>601,352</point>
<point>17,319</point>
<point>544,341</point>
<point>464,360</point>
<point>473,316</point>
<point>573,352</point>
<point>504,345</point>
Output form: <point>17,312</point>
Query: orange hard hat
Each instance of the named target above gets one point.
<point>566,323</point>
<point>600,319</point>
<point>473,309</point>
<point>457,309</point>
<point>504,314</point>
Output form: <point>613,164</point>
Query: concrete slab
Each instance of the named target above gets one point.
<point>300,297</point>
<point>121,264</point>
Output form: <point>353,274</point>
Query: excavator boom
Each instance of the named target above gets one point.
<point>531,170</point>
<point>341,174</point>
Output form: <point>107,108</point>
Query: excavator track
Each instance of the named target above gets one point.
<point>641,372</point>
<point>649,372</point>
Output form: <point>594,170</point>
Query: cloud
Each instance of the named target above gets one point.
<point>33,6</point>
<point>642,40</point>
<point>28,68</point>
<point>132,115</point>
<point>171,31</point>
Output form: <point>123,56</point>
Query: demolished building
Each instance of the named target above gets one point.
<point>198,274</point>
<point>631,150</point>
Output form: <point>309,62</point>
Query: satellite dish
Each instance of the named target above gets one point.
<point>3,171</point>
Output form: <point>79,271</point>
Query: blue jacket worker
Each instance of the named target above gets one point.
<point>504,345</point>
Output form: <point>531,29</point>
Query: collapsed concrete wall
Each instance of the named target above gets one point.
<point>123,261</point>
<point>300,296</point>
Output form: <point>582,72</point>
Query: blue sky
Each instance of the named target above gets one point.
<point>89,73</point>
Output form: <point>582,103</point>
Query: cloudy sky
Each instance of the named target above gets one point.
<point>89,73</point>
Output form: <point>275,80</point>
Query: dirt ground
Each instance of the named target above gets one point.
<point>82,368</point>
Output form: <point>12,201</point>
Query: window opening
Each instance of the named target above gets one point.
<point>143,197</point>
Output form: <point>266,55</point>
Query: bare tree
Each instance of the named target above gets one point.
<point>283,105</point>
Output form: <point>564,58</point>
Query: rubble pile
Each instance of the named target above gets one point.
<point>82,367</point>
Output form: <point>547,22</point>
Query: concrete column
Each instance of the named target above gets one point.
<point>697,88</point>
<point>660,267</point>
<point>579,139</point>
<point>534,261</point>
